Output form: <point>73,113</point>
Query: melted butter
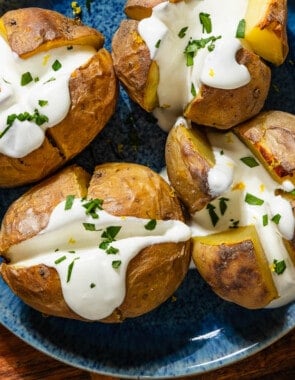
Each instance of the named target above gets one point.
<point>95,287</point>
<point>239,180</point>
<point>217,68</point>
<point>48,86</point>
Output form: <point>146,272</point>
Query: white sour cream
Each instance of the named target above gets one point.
<point>217,68</point>
<point>96,287</point>
<point>47,92</point>
<point>240,180</point>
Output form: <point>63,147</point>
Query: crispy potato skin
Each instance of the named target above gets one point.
<point>224,109</point>
<point>271,137</point>
<point>93,90</point>
<point>233,270</point>
<point>139,9</point>
<point>132,62</point>
<point>31,30</point>
<point>189,158</point>
<point>127,189</point>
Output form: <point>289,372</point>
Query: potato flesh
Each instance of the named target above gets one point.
<point>235,266</point>
<point>266,29</point>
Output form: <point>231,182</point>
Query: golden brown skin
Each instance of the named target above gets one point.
<point>189,158</point>
<point>224,109</point>
<point>139,9</point>
<point>93,90</point>
<point>234,265</point>
<point>271,138</point>
<point>127,190</point>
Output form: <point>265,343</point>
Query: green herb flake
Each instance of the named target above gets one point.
<point>265,220</point>
<point>205,20</point>
<point>72,252</point>
<point>249,161</point>
<point>50,80</point>
<point>279,266</point>
<point>56,65</point>
<point>92,285</point>
<point>151,225</point>
<point>89,226</point>
<point>26,78</point>
<point>213,216</point>
<point>110,233</point>
<point>234,223</point>
<point>193,46</point>
<point>42,103</point>
<point>240,33</point>
<point>276,218</point>
<point>116,264</point>
<point>223,205</point>
<point>182,32</point>
<point>158,44</point>
<point>61,259</point>
<point>112,250</point>
<point>252,200</point>
<point>92,207</point>
<point>70,269</point>
<point>69,202</point>
<point>193,90</point>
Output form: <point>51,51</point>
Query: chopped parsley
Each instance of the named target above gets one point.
<point>279,266</point>
<point>26,78</point>
<point>61,259</point>
<point>70,269</point>
<point>42,103</point>
<point>89,226</point>
<point>252,200</point>
<point>109,236</point>
<point>182,32</point>
<point>92,285</point>
<point>205,20</point>
<point>193,90</point>
<point>213,216</point>
<point>92,207</point>
<point>116,264</point>
<point>193,46</point>
<point>240,33</point>
<point>265,220</point>
<point>69,202</point>
<point>276,218</point>
<point>158,44</point>
<point>151,225</point>
<point>234,223</point>
<point>56,65</point>
<point>249,161</point>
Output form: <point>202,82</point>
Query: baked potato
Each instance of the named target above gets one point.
<point>171,65</point>
<point>129,195</point>
<point>66,88</point>
<point>242,205</point>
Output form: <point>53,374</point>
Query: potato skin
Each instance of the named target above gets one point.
<point>189,158</point>
<point>93,90</point>
<point>127,189</point>
<point>224,109</point>
<point>271,138</point>
<point>139,9</point>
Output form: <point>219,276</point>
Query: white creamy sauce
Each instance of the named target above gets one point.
<point>239,180</point>
<point>217,68</point>
<point>48,93</point>
<point>95,287</point>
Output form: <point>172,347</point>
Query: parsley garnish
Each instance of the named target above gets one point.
<point>108,236</point>
<point>58,261</point>
<point>56,65</point>
<point>182,32</point>
<point>205,20</point>
<point>279,266</point>
<point>194,45</point>
<point>151,225</point>
<point>89,226</point>
<point>240,33</point>
<point>26,78</point>
<point>69,202</point>
<point>252,200</point>
<point>234,223</point>
<point>70,269</point>
<point>193,90</point>
<point>92,207</point>
<point>249,161</point>
<point>214,217</point>
<point>158,44</point>
<point>276,218</point>
<point>265,220</point>
<point>116,264</point>
<point>92,285</point>
<point>223,205</point>
<point>42,103</point>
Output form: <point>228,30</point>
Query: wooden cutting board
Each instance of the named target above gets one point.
<point>19,361</point>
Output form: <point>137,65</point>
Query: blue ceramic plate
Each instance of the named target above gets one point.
<point>191,334</point>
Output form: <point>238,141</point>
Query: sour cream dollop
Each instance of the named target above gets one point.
<point>91,255</point>
<point>209,28</point>
<point>34,94</point>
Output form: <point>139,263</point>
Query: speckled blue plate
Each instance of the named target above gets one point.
<point>196,331</point>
